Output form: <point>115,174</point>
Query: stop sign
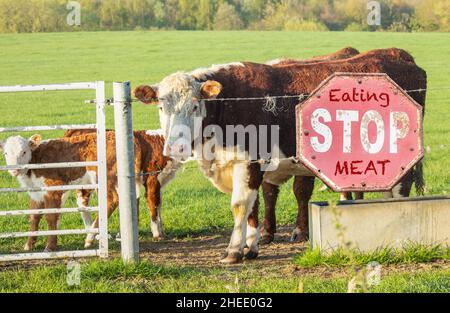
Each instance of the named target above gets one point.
<point>359,132</point>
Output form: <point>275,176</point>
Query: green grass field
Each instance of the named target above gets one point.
<point>191,206</point>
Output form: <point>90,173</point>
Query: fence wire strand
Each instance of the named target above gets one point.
<point>269,99</point>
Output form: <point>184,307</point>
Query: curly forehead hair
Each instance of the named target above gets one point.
<point>175,88</point>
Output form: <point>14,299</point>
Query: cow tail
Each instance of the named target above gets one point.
<point>419,180</point>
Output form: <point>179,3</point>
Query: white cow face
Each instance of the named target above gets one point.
<point>180,101</point>
<point>18,151</point>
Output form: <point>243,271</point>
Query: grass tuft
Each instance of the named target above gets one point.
<point>410,254</point>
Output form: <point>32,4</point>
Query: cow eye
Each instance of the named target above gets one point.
<point>195,108</point>
<point>23,153</point>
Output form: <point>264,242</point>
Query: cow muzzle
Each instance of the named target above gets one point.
<point>178,151</point>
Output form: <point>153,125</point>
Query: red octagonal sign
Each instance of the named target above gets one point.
<point>359,132</point>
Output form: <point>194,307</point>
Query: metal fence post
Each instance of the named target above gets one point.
<point>126,172</point>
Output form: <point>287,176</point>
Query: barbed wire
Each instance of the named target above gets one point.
<point>184,168</point>
<point>300,97</point>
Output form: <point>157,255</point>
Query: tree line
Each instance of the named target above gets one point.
<point>302,15</point>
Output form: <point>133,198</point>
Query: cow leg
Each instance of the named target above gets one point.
<point>346,196</point>
<point>34,224</point>
<point>83,198</point>
<point>359,195</point>
<point>270,193</point>
<point>245,191</point>
<point>253,235</point>
<point>303,190</point>
<point>153,195</point>
<point>402,189</point>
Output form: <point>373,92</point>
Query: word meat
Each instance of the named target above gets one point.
<point>361,167</point>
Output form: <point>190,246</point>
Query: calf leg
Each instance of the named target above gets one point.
<point>153,195</point>
<point>246,182</point>
<point>112,203</point>
<point>34,224</point>
<point>138,197</point>
<point>303,190</point>
<point>83,198</point>
<point>270,193</point>
<point>53,200</point>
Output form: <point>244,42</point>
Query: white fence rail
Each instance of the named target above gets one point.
<point>60,232</point>
<point>48,166</point>
<point>51,188</point>
<point>102,251</point>
<point>48,211</point>
<point>45,128</point>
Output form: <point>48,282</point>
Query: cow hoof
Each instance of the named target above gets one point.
<point>232,258</point>
<point>88,244</point>
<point>267,239</point>
<point>251,255</point>
<point>299,236</point>
<point>224,256</point>
<point>158,238</point>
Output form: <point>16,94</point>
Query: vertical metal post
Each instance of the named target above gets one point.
<point>126,172</point>
<point>101,169</point>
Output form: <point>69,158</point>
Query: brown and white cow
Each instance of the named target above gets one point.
<point>149,159</point>
<point>185,98</point>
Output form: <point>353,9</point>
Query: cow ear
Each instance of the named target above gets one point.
<point>211,89</point>
<point>146,94</point>
<point>35,141</point>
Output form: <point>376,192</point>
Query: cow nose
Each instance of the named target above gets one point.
<point>178,149</point>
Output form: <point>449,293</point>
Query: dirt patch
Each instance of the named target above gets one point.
<point>274,260</point>
<point>206,251</point>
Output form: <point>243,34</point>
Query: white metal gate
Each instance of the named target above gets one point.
<point>102,231</point>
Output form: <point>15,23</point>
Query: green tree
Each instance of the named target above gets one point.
<point>433,15</point>
<point>227,18</point>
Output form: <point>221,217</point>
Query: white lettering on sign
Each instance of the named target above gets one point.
<point>377,146</point>
<point>398,123</point>
<point>322,130</point>
<point>398,133</point>
<point>347,117</point>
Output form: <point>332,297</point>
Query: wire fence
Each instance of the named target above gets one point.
<point>300,97</point>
